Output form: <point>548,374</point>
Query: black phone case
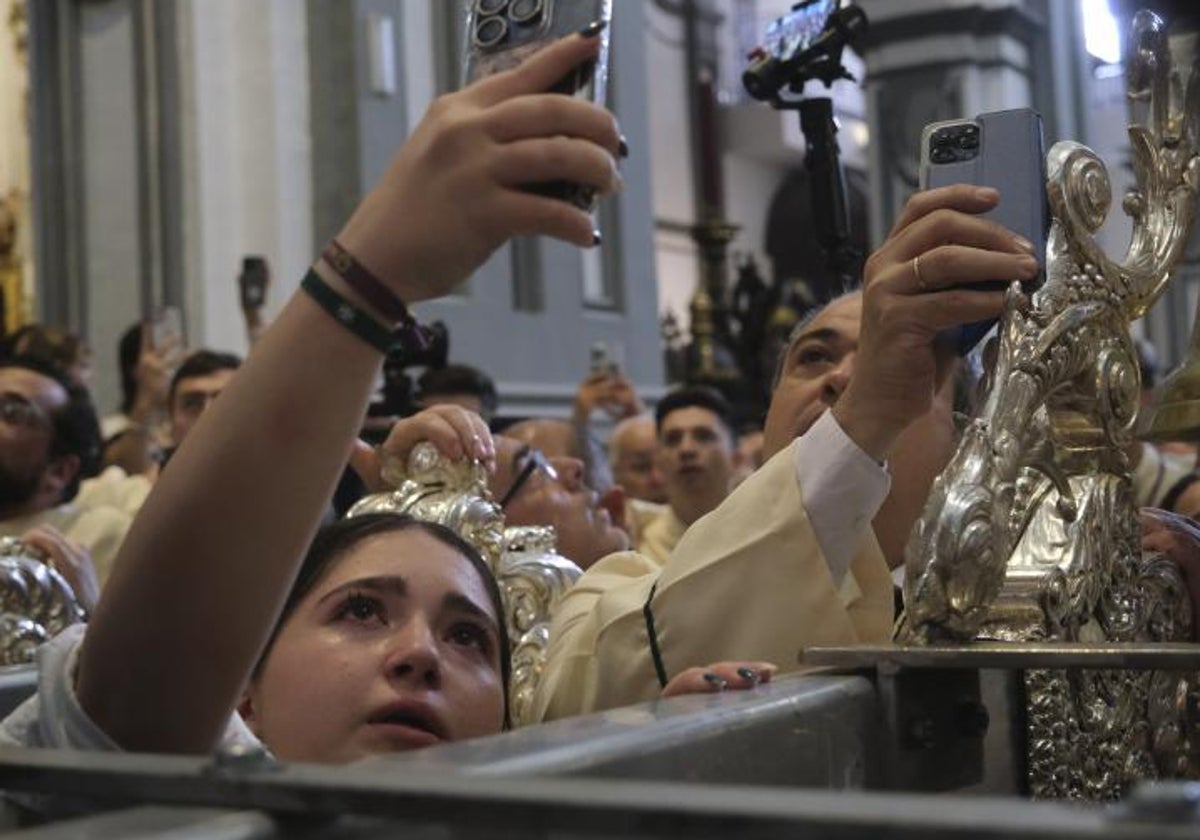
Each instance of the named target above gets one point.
<point>527,26</point>
<point>1004,150</point>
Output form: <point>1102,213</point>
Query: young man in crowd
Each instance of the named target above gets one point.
<point>200,380</point>
<point>696,456</point>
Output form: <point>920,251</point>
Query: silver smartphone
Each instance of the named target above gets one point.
<point>500,34</point>
<point>1003,150</point>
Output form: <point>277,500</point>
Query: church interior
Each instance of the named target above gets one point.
<point>582,418</point>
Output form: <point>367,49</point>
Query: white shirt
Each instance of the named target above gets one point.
<point>842,488</point>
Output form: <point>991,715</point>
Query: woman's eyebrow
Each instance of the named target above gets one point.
<point>386,584</point>
<point>458,602</point>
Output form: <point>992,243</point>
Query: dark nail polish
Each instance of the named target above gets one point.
<point>597,237</point>
<point>715,681</point>
<point>749,675</point>
<point>623,147</point>
<point>593,29</point>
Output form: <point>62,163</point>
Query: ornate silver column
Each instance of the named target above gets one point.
<point>1031,533</point>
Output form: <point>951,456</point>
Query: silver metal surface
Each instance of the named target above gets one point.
<point>1015,655</point>
<point>36,602</point>
<point>359,801</point>
<point>1031,534</point>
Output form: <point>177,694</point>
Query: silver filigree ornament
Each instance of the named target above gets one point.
<point>532,576</point>
<point>36,602</point>
<point>1031,533</point>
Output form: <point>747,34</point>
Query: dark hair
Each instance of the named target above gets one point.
<point>334,540</point>
<point>75,427</point>
<point>57,346</point>
<point>694,396</point>
<point>460,379</point>
<point>202,363</point>
<point>128,351</point>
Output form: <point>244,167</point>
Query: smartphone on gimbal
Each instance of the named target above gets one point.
<point>1003,150</point>
<point>500,34</point>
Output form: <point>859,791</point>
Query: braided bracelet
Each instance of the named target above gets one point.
<point>346,313</point>
<point>375,293</point>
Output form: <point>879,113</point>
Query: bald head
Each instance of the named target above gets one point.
<point>632,451</point>
<point>563,439</point>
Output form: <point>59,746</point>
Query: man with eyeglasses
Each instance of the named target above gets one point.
<point>49,442</point>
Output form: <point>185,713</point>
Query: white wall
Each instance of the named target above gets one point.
<point>247,156</point>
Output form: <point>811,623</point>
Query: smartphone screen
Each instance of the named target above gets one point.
<point>1003,150</point>
<point>252,282</point>
<point>166,325</point>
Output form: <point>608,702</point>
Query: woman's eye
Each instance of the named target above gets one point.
<point>469,635</point>
<point>361,608</point>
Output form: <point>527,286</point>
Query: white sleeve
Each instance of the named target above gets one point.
<point>842,488</point>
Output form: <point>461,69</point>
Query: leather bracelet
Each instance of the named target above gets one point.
<point>347,314</point>
<point>365,283</point>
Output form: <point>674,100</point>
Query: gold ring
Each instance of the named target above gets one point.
<point>916,267</point>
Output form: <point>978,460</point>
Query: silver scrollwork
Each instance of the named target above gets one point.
<point>36,602</point>
<point>1031,533</point>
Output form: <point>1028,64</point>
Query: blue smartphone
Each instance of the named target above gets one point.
<point>1003,150</point>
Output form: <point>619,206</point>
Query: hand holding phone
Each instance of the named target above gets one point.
<point>1003,150</point>
<point>253,283</point>
<point>166,327</point>
<point>502,33</point>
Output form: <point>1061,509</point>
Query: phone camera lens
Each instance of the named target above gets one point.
<point>525,11</point>
<point>490,7</point>
<point>968,140</point>
<point>942,154</point>
<point>490,32</point>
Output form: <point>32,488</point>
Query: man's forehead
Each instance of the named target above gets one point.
<point>842,316</point>
<point>31,384</point>
<point>691,415</point>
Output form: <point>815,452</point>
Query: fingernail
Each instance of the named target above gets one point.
<point>593,29</point>
<point>597,237</point>
<point>480,450</point>
<point>716,682</point>
<point>1028,265</point>
<point>1023,243</point>
<point>623,147</point>
<point>749,675</point>
<point>986,194</point>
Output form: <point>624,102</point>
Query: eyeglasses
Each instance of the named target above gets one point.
<point>535,461</point>
<point>18,411</point>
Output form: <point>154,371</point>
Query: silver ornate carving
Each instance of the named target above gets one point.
<point>1031,533</point>
<point>532,575</point>
<point>36,602</point>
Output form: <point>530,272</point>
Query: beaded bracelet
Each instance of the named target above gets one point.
<point>347,314</point>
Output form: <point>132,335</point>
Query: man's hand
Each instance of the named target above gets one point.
<point>718,677</point>
<point>1179,538</point>
<point>456,432</point>
<point>912,292</point>
<point>70,559</point>
<point>453,193</point>
<point>612,392</point>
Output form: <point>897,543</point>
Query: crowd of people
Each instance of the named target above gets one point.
<point>712,554</point>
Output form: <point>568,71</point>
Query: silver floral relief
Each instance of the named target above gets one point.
<point>36,602</point>
<point>532,576</point>
<point>1031,533</point>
